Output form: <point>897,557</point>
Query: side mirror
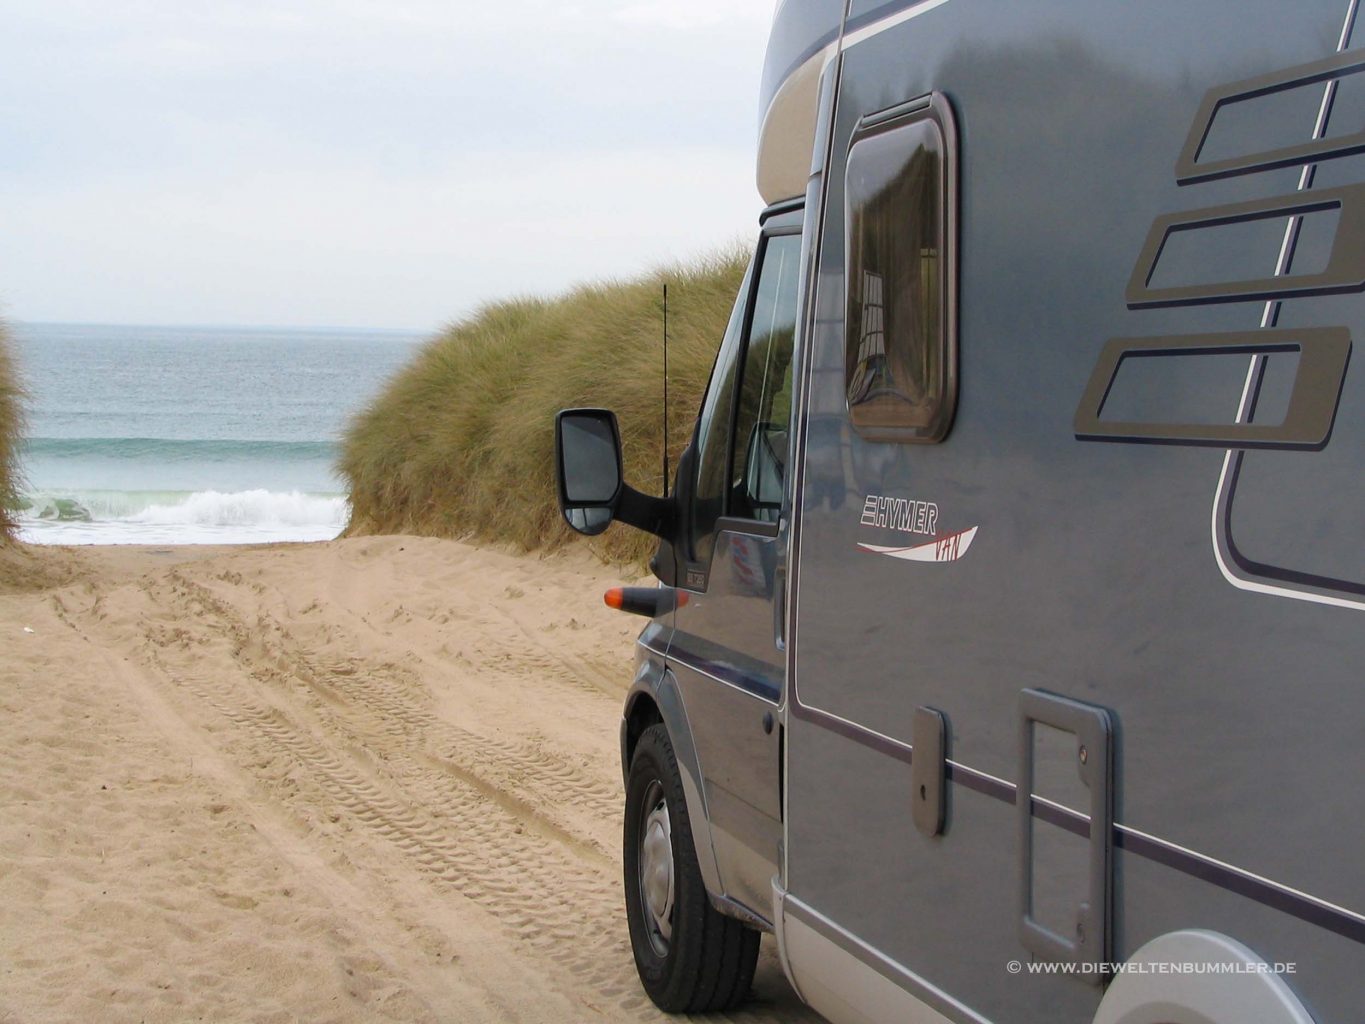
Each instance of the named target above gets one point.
<point>588,467</point>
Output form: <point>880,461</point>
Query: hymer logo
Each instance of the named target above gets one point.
<point>910,516</point>
<point>902,514</point>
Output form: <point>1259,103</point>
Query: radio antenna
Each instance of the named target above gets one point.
<point>665,389</point>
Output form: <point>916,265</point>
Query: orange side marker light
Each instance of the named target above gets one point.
<point>650,601</point>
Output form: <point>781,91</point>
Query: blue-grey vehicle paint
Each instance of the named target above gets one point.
<point>1092,573</point>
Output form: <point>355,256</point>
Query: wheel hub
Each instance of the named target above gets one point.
<point>656,870</point>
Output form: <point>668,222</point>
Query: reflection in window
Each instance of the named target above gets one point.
<point>899,354</point>
<point>763,416</point>
<point>713,434</point>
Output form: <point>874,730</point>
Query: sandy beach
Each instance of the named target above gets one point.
<point>366,780</point>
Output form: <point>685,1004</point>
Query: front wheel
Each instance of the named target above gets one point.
<point>691,959</point>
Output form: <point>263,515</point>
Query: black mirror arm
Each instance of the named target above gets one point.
<point>658,516</point>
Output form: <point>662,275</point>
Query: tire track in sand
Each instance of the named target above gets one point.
<point>435,793</point>
<point>387,705</point>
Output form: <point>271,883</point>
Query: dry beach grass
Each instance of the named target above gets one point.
<point>460,443</point>
<point>11,422</point>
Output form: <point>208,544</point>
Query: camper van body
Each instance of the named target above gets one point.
<point>1023,683</point>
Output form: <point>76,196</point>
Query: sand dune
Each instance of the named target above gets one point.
<point>370,780</point>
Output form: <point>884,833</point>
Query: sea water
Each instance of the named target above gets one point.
<point>170,435</point>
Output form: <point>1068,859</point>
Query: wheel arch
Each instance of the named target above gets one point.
<point>1223,982</point>
<point>656,698</point>
<point>642,711</point>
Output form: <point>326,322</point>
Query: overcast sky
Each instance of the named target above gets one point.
<point>386,163</point>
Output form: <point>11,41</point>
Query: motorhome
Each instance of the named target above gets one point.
<point>1006,658</point>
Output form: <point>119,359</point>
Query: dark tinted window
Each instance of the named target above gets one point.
<point>713,434</point>
<point>900,357</point>
<point>763,416</point>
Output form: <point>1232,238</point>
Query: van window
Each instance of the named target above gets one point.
<point>763,415</point>
<point>713,434</point>
<point>900,355</point>
<point>745,421</point>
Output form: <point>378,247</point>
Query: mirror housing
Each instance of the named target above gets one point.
<point>592,491</point>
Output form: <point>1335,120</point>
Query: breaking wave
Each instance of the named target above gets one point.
<point>180,517</point>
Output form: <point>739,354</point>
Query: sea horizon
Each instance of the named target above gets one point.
<point>190,434</point>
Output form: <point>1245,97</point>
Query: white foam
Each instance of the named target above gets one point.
<point>201,517</point>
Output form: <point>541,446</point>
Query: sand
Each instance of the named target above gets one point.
<point>370,780</point>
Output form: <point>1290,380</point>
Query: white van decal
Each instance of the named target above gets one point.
<point>947,547</point>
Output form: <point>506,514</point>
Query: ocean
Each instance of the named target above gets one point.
<point>191,435</point>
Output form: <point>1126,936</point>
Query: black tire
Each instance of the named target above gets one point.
<point>707,961</point>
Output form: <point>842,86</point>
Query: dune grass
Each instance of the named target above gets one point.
<point>461,441</point>
<point>11,424</point>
